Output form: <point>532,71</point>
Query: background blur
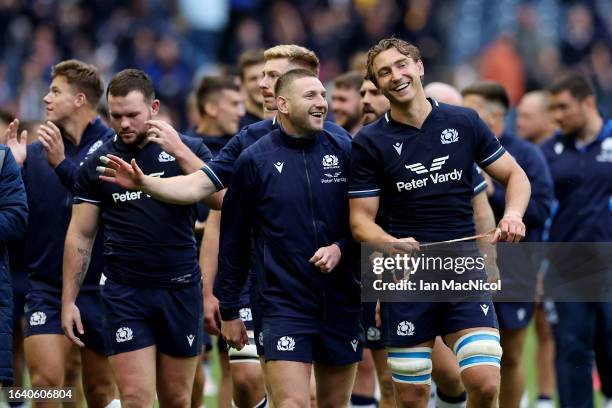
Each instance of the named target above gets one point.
<point>524,44</point>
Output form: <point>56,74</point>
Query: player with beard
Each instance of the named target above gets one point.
<point>251,65</point>
<point>288,182</point>
<point>373,103</point>
<point>152,299</point>
<point>73,131</point>
<point>413,132</point>
<point>580,159</point>
<point>345,103</point>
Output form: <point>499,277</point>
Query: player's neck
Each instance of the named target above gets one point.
<point>74,126</point>
<point>254,108</point>
<point>269,114</point>
<point>293,131</point>
<point>208,127</point>
<point>589,132</point>
<point>412,113</point>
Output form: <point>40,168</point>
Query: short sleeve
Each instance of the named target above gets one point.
<point>221,168</point>
<point>364,179</point>
<point>478,181</point>
<point>487,148</point>
<point>88,185</point>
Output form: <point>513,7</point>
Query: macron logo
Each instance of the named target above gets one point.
<point>190,339</point>
<point>436,165</point>
<point>485,309</point>
<point>279,166</point>
<point>398,147</point>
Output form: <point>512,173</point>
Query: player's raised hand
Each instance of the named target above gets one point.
<point>18,145</point>
<point>51,138</point>
<point>326,258</point>
<point>163,134</point>
<point>510,229</point>
<point>71,317</point>
<point>235,334</point>
<point>118,171</point>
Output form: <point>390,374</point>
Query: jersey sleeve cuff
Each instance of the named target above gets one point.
<point>493,157</point>
<point>229,313</point>
<point>480,187</point>
<point>80,200</point>
<point>213,177</point>
<point>365,192</point>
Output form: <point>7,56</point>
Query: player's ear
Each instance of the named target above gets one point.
<point>210,109</point>
<point>282,104</point>
<point>80,99</point>
<point>421,68</point>
<point>155,106</point>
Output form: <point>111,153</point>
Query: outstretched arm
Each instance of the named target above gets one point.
<point>184,190</point>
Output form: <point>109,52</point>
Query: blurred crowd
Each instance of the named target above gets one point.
<point>523,44</point>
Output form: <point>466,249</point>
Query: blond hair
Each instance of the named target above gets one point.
<point>295,54</point>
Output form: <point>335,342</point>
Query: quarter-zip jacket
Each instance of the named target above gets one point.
<point>50,196</point>
<point>292,193</point>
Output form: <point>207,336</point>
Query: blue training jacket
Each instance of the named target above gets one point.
<point>50,197</point>
<point>292,193</point>
<point>13,221</point>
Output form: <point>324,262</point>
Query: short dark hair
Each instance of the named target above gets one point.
<point>212,85</point>
<point>6,116</point>
<point>250,58</point>
<point>130,80</point>
<point>83,77</point>
<point>577,85</point>
<point>291,76</point>
<point>491,91</point>
<point>402,46</point>
<point>351,80</point>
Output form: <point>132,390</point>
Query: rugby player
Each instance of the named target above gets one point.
<point>290,189</point>
<point>580,159</point>
<point>346,101</point>
<point>71,134</point>
<point>534,121</point>
<point>418,130</point>
<point>251,66</point>
<point>152,299</point>
<point>490,100</point>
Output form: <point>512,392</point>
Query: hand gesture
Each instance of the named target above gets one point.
<point>18,146</point>
<point>118,171</point>
<point>51,138</point>
<point>163,134</point>
<point>212,315</point>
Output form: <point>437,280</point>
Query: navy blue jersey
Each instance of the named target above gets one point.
<point>424,177</point>
<point>148,242</point>
<point>221,168</point>
<point>531,159</point>
<point>248,119</point>
<point>214,143</point>
<point>292,193</point>
<point>50,196</point>
<point>582,179</point>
